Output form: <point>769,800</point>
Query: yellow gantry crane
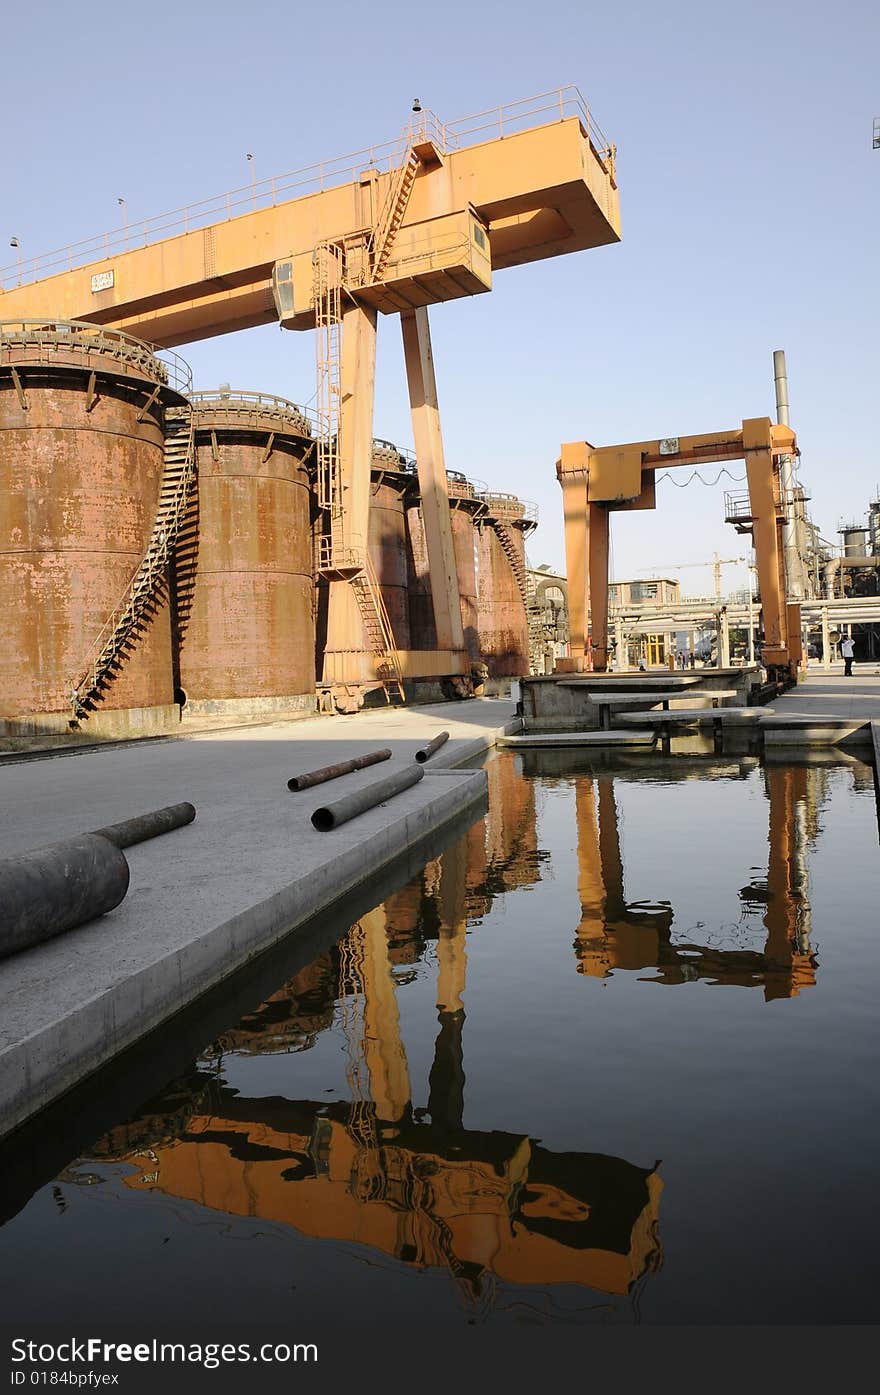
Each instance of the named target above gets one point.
<point>391,230</point>
<point>596,480</point>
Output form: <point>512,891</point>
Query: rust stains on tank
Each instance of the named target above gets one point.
<point>390,483</point>
<point>244,572</point>
<point>501,611</point>
<point>81,463</point>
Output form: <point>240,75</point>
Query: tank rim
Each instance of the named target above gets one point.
<point>81,338</point>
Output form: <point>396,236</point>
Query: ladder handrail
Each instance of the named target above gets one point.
<point>173,497</point>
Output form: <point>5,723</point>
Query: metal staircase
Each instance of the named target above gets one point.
<point>502,532</point>
<point>377,627</point>
<point>393,213</point>
<point>341,558</point>
<point>121,632</point>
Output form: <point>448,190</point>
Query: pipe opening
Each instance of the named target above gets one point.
<point>323,820</point>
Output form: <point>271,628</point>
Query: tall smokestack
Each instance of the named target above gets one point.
<point>781,377</point>
<point>794,566</point>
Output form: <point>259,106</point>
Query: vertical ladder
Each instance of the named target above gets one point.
<point>328,362</point>
<point>121,632</point>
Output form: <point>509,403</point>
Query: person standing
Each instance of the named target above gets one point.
<point>847,650</point>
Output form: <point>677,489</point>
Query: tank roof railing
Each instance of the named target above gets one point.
<point>48,336</point>
<point>521,509</point>
<point>544,109</point>
<point>231,398</point>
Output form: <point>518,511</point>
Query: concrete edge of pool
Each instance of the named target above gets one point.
<point>60,1037</point>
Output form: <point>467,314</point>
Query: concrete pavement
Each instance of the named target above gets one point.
<point>831,695</point>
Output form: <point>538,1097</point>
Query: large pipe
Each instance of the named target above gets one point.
<point>144,826</point>
<point>428,751</point>
<point>53,889</point>
<point>332,815</point>
<point>830,571</point>
<point>332,772</point>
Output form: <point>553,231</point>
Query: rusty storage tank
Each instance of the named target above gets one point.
<point>245,600</point>
<point>466,506</point>
<point>82,428</point>
<point>502,585</point>
<point>423,633</point>
<point>392,478</point>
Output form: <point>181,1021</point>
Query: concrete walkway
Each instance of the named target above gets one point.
<point>832,695</point>
<point>207,898</point>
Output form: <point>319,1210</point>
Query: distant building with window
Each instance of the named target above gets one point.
<point>654,591</point>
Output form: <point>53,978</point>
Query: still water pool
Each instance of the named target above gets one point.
<point>611,1058</point>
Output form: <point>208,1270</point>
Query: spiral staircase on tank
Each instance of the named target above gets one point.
<point>144,593</point>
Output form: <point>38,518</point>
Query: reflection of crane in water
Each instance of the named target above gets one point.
<point>617,934</point>
<point>411,1182</point>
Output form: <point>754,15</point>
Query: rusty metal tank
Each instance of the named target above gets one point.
<point>392,478</point>
<point>465,506</point>
<point>502,585</point>
<point>423,633</point>
<point>245,598</point>
<point>82,412</point>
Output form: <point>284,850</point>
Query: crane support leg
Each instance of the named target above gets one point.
<point>574,507</point>
<point>347,658</point>
<point>766,531</point>
<point>383,1044</point>
<point>598,518</point>
<point>432,478</point>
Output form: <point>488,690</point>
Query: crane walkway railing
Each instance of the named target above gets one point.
<point>559,104</point>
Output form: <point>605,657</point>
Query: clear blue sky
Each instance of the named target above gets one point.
<point>750,201</point>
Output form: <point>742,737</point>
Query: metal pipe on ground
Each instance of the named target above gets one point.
<point>144,826</point>
<point>428,751</point>
<point>332,815</point>
<point>343,767</point>
<point>54,889</point>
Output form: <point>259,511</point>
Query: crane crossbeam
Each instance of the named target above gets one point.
<point>519,195</point>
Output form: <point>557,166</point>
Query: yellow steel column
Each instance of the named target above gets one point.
<point>383,1047</point>
<point>446,1080</point>
<point>598,516</point>
<point>346,659</point>
<point>451,940</point>
<point>432,478</point>
<point>591,946</point>
<point>757,448</point>
<point>574,507</point>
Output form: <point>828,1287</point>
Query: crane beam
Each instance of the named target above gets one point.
<point>534,194</point>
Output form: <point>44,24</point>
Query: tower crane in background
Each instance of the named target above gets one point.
<point>392,230</point>
<point>715,562</point>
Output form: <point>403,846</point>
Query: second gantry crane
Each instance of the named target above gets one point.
<point>596,480</point>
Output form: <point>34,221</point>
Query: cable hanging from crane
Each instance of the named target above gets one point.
<point>695,474</point>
